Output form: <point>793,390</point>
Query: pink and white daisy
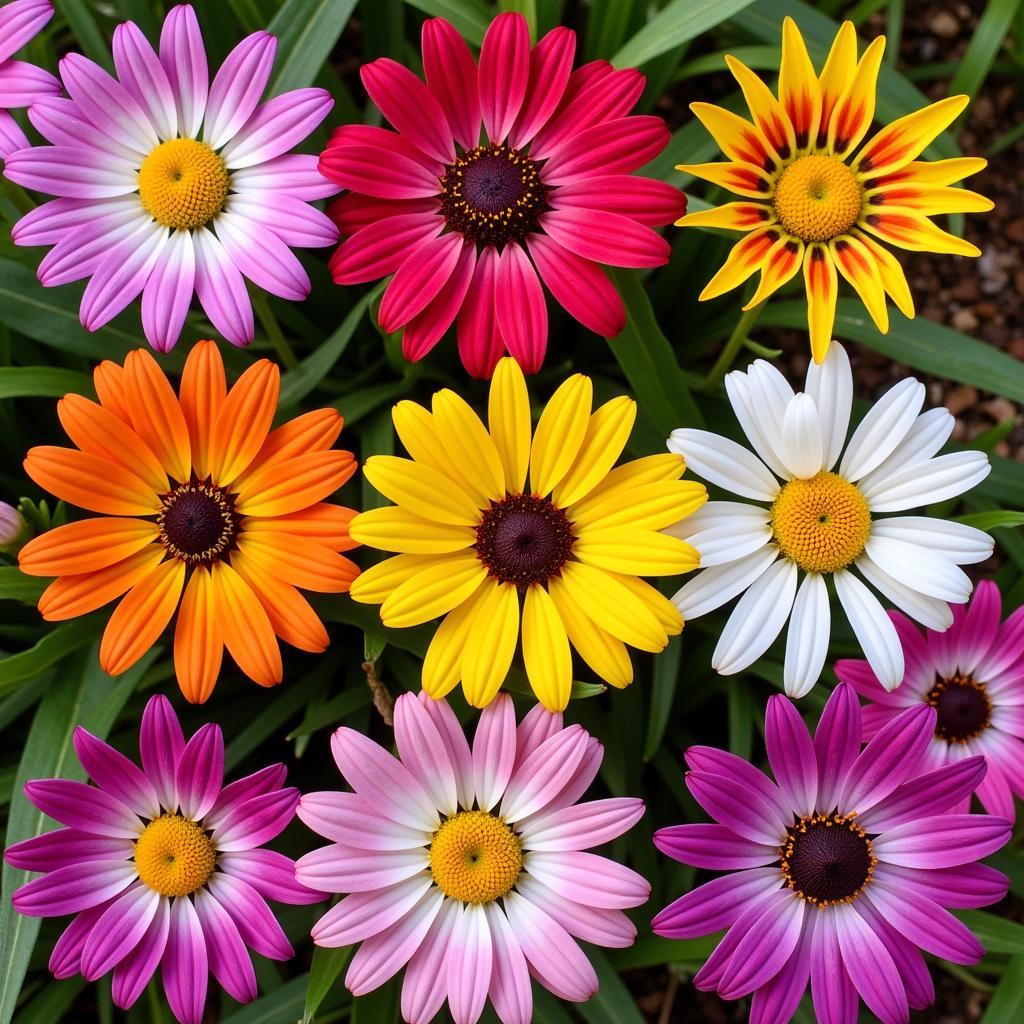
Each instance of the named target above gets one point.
<point>468,864</point>
<point>163,866</point>
<point>170,185</point>
<point>21,84</point>
<point>470,224</point>
<point>839,871</point>
<point>973,675</point>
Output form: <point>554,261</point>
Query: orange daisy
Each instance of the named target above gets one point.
<point>203,509</point>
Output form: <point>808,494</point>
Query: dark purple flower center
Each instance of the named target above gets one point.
<point>962,706</point>
<point>524,539</point>
<point>827,859</point>
<point>198,522</point>
<point>493,195</point>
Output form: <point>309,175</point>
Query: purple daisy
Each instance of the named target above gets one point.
<point>170,185</point>
<point>21,84</point>
<point>840,871</point>
<point>162,866</point>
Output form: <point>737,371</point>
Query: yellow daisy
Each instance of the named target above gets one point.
<point>810,202</point>
<point>478,546</point>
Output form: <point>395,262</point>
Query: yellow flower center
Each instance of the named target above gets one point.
<point>183,183</point>
<point>475,857</point>
<point>174,856</point>
<point>821,524</point>
<point>817,198</point>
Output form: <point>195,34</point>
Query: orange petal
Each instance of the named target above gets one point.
<point>746,256</point>
<point>108,379</point>
<point>822,284</point>
<point>203,388</point>
<point>781,262</point>
<point>314,431</point>
<point>931,200</point>
<point>91,482</point>
<point>96,430</point>
<point>290,614</point>
<point>855,109</point>
<point>247,631</point>
<point>325,523</point>
<point>71,596</point>
<point>903,140</point>
<point>156,414</point>
<point>243,421</point>
<point>198,647</point>
<point>85,546</point>
<point>910,230</point>
<point>141,617</point>
<point>294,484</point>
<point>299,561</point>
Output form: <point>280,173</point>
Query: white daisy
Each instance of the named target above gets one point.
<point>814,520</point>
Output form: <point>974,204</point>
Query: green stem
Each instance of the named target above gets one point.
<point>732,347</point>
<point>274,332</point>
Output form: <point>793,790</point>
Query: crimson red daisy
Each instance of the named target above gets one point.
<point>470,223</point>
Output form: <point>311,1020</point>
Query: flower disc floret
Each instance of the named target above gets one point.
<point>817,198</point>
<point>174,856</point>
<point>183,183</point>
<point>475,857</point>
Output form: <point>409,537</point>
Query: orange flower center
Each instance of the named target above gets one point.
<point>817,198</point>
<point>183,184</point>
<point>174,856</point>
<point>475,857</point>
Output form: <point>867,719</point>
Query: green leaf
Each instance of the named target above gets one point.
<point>470,17</point>
<point>612,1003</point>
<point>1007,1004</point>
<point>652,950</point>
<point>58,643</point>
<point>676,23</point>
<point>306,32</point>
<point>87,33</point>
<point>42,382</point>
<point>323,973</point>
<point>985,43</point>
<point>16,586</point>
<point>378,1006</point>
<point>84,697</point>
<point>996,934</point>
<point>283,1004</point>
<point>664,678</point>
<point>997,519</point>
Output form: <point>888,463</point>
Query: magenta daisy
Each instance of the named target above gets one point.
<point>471,223</point>
<point>468,864</point>
<point>840,871</point>
<point>21,84</point>
<point>170,185</point>
<point>162,866</point>
<point>973,675</point>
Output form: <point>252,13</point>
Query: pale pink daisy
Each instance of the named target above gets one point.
<point>21,84</point>
<point>973,675</point>
<point>170,185</point>
<point>468,864</point>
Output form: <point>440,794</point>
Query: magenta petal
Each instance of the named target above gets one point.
<point>361,915</point>
<point>183,57</point>
<point>122,275</point>
<point>618,146</point>
<point>277,126</point>
<point>382,247</point>
<point>1006,648</point>
<point>454,739</point>
<point>537,725</point>
<point>910,965</point>
<point>550,67</point>
<point>265,780</point>
<point>641,199</point>
<point>161,743</point>
<point>229,962</point>
<point>410,106</point>
<point>119,930</point>
<point>994,790</point>
<point>776,1000</point>
<point>943,841</point>
<point>237,88</point>
<point>598,925</point>
<point>200,771</point>
<point>580,286</point>
<point>168,292</point>
<point>610,239</point>
<point>66,957</point>
<point>767,945</point>
<point>980,624</point>
<point>12,138</point>
<point>791,755</point>
<point>296,223</point>
<point>580,779</point>
<point>23,84</point>
<point>585,825</point>
<point>221,289</point>
<point>833,994</point>
<point>419,279</point>
<point>73,888</point>
<point>271,874</point>
<point>520,308</point>
<point>494,751</point>
<point>715,905</point>
<point>65,847</point>
<point>84,807</point>
<point>837,742</point>
<point>257,821</point>
<point>726,800</point>
<point>480,344</point>
<point>425,987</point>
<point>81,251</point>
<point>73,173</point>
<point>132,974</point>
<point>504,73</point>
<point>870,966</point>
<point>510,989</point>
<point>262,257</point>
<point>185,964</point>
<point>714,847</point>
<point>966,886</point>
<point>426,329</point>
<point>142,74</point>
<point>451,75</point>
<point>253,919</point>
<point>341,868</point>
<point>20,21</point>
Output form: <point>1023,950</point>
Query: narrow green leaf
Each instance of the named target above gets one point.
<point>996,934</point>
<point>323,973</point>
<point>651,950</point>
<point>664,677</point>
<point>306,32</point>
<point>88,36</point>
<point>16,586</point>
<point>41,382</point>
<point>995,520</point>
<point>52,1002</point>
<point>378,1006</point>
<point>1007,1004</point>
<point>612,1003</point>
<point>470,17</point>
<point>283,1004</point>
<point>58,643</point>
<point>985,43</point>
<point>528,9</point>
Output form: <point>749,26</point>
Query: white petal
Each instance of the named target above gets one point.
<point>711,588</point>
<point>958,542</point>
<point>924,483</point>
<point>724,462</point>
<point>830,384</point>
<point>919,568</point>
<point>770,393</point>
<point>759,431</point>
<point>757,619</point>
<point>807,641</point>
<point>929,433</point>
<point>929,611</point>
<point>873,628</point>
<point>802,445</point>
<point>723,531</point>
<point>886,424</point>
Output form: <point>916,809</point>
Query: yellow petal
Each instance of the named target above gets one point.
<point>656,602</point>
<point>560,432</point>
<point>396,529</point>
<point>743,179</point>
<point>606,655</point>
<point>490,646</point>
<point>508,417</point>
<point>781,263</point>
<point>738,139</point>
<point>373,585</point>
<point>649,507</point>
<point>546,650</point>
<point>799,92</point>
<point>765,109</point>
<point>433,591</point>
<point>607,433</point>
<point>858,265</point>
<point>822,285</point>
<point>422,490</point>
<point>894,281</point>
<point>635,552</point>
<point>469,444</point>
<point>730,217</point>
<point>932,172</point>
<point>911,230</point>
<point>442,666</point>
<point>746,257</point>
<point>855,108</point>
<point>906,138</point>
<point>930,200</point>
<point>836,76</point>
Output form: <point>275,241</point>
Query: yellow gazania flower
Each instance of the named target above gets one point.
<point>808,204</point>
<point>473,539</point>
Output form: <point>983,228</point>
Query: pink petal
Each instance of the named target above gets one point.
<point>168,292</point>
<point>426,329</point>
<point>422,751</point>
<point>229,962</point>
<point>142,74</point>
<point>266,780</point>
<point>591,924</point>
<point>66,957</point>
<point>120,929</point>
<point>185,964</point>
<point>504,73</point>
<point>837,742</point>
<point>544,774</point>
<point>257,821</point>
<point>379,163</point>
<point>418,280</point>
<point>64,847</point>
<point>61,122</point>
<point>642,199</point>
<point>716,904</point>
<point>580,779</point>
<point>80,253</point>
<point>353,211</point>
<point>520,308</point>
<point>221,289</point>
<point>943,840</point>
<point>870,966</point>
<point>183,57</point>
<point>583,826</point>
<point>132,974</point>
<point>237,88</point>
<point>480,344</point>
<point>910,965</point>
<point>510,989</point>
<point>455,742</point>
<point>713,846</point>
<point>380,248</point>
<point>271,874</point>
<point>347,818</point>
<point>63,171</point>
<point>537,725</point>
<point>610,238</point>
<point>728,802</point>
<point>452,77</point>
<point>980,624</point>
<point>255,923</point>
<point>778,998</point>
<point>296,223</point>
<point>588,879</point>
<point>116,774</point>
<point>494,751</point>
<point>200,771</point>
<point>791,755</point>
<point>84,807</point>
<point>469,964</point>
<point>964,886</point>
<point>23,84</point>
<point>1006,648</point>
<point>617,146</point>
<point>277,126</point>
<point>161,743</point>
<point>834,997</point>
<point>341,868</point>
<point>12,138</point>
<point>362,915</point>
<point>294,174</point>
<point>20,22</point>
<point>426,978</point>
<point>121,276</point>
<point>550,67</point>
<point>262,257</point>
<point>73,888</point>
